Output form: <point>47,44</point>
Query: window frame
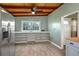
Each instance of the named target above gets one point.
<point>30,30</point>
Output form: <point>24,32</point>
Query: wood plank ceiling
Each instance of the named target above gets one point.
<point>25,9</point>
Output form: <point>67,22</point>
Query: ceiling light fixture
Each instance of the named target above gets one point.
<point>34,10</point>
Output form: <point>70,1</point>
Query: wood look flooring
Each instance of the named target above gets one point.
<point>38,49</point>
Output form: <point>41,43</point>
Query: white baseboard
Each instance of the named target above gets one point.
<point>42,41</point>
<point>55,45</point>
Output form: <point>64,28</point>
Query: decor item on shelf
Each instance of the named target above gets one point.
<point>42,30</point>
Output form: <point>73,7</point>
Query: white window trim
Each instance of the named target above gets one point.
<point>30,30</point>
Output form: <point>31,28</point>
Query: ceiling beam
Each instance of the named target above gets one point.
<point>27,7</point>
<point>27,15</point>
<point>28,12</point>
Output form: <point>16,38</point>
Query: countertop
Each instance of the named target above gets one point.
<point>74,39</point>
<point>34,32</point>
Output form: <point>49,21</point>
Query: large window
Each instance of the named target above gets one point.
<point>30,25</point>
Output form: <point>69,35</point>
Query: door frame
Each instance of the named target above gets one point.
<point>62,26</point>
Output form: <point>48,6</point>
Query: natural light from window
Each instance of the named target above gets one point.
<point>28,26</point>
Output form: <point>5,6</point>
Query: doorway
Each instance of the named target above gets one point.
<point>70,27</point>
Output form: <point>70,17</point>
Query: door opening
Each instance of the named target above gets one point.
<point>70,27</point>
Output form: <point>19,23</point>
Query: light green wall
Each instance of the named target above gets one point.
<point>54,21</point>
<point>43,21</point>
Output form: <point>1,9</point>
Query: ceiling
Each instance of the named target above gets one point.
<point>25,9</point>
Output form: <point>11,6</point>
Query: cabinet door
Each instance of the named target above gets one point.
<point>44,36</point>
<point>30,37</point>
<point>37,36</point>
<point>72,51</point>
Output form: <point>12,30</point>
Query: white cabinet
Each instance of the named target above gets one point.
<point>21,37</point>
<point>72,51</point>
<point>72,48</point>
<point>38,36</point>
<point>44,36</point>
<point>30,37</point>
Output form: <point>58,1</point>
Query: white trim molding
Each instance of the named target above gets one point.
<point>55,45</point>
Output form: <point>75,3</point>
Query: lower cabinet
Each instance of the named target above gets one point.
<point>30,37</point>
<point>72,49</point>
<point>44,36</point>
<point>24,37</point>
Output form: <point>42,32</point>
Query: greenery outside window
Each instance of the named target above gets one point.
<point>30,26</point>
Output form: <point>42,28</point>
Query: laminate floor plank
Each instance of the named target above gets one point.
<point>38,49</point>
